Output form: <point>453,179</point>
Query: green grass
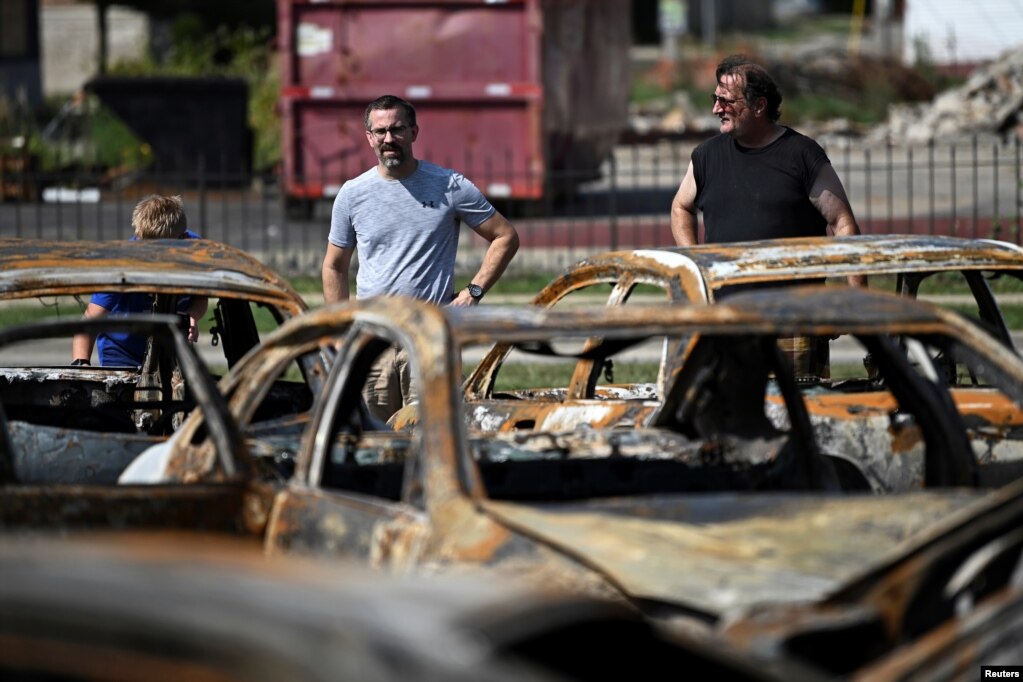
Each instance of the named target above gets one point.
<point>1013,314</point>
<point>307,284</point>
<point>33,310</point>
<point>525,283</point>
<point>515,376</point>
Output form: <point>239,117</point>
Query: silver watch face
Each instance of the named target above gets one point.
<point>476,291</point>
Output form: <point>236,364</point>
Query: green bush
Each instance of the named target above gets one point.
<point>243,52</point>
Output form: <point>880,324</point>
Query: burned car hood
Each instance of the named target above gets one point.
<point>718,552</point>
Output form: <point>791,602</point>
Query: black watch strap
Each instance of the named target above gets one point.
<point>80,362</point>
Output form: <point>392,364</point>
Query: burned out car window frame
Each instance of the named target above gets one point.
<point>81,457</point>
<point>698,274</point>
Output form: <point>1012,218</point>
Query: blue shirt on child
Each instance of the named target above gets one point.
<point>121,349</point>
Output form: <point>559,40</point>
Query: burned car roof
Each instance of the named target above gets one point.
<point>815,257</point>
<point>703,273</point>
<point>703,268</point>
<point>808,310</point>
<point>31,267</point>
<point>245,295</point>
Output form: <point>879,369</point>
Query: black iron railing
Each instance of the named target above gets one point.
<point>969,188</point>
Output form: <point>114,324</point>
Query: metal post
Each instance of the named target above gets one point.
<point>930,183</point>
<point>909,181</point>
<point>953,229</point>
<point>890,183</point>
<point>976,187</point>
<point>611,203</point>
<point>997,225</point>
<point>866,172</point>
<point>1019,190</point>
<point>201,187</point>
<point>708,23</point>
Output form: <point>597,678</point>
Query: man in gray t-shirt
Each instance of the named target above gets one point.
<point>404,216</point>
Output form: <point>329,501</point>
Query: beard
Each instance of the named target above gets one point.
<point>392,161</point>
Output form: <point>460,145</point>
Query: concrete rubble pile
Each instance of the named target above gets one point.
<point>990,103</point>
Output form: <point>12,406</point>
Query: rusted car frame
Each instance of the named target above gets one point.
<point>38,451</point>
<point>179,606</point>
<point>166,269</point>
<point>73,483</point>
<point>948,604</point>
<point>31,268</point>
<point>699,274</point>
<point>425,499</point>
<point>670,518</point>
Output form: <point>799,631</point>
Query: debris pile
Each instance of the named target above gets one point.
<point>832,71</point>
<point>989,103</point>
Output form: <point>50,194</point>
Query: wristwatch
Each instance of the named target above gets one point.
<point>476,291</point>
<point>80,362</point>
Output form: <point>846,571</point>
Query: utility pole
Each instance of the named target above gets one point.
<point>671,20</point>
<point>101,27</point>
<point>708,23</point>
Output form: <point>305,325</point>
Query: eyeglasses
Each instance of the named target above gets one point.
<point>714,99</point>
<point>397,132</point>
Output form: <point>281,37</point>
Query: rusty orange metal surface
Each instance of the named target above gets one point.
<point>938,610</point>
<point>432,508</point>
<point>791,260</point>
<point>698,274</point>
<point>30,267</point>
<point>695,273</point>
<point>424,499</point>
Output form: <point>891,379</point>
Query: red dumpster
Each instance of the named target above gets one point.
<point>517,94</point>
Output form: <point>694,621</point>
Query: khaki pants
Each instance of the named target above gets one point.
<point>389,384</point>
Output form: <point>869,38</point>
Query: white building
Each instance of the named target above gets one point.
<point>960,32</point>
<point>70,42</point>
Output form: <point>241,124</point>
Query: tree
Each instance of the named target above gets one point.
<point>199,15</point>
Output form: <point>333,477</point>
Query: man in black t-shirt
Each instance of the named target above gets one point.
<point>757,179</point>
<point>762,180</point>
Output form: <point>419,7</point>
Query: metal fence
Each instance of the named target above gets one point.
<point>970,188</point>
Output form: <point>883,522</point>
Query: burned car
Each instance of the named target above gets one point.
<point>724,501</point>
<point>913,265</point>
<point>245,297</point>
<point>702,273</point>
<point>939,609</point>
<point>69,599</point>
<point>104,419</point>
<point>160,606</point>
<point>855,418</point>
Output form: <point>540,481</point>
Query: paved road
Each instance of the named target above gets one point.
<point>843,350</point>
<point>57,352</point>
